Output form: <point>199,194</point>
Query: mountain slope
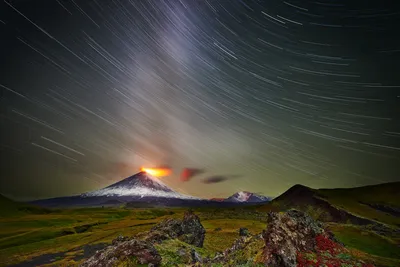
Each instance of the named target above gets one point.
<point>360,205</point>
<point>378,202</point>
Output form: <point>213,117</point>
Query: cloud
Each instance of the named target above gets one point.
<point>215,179</point>
<point>189,173</point>
<point>219,178</point>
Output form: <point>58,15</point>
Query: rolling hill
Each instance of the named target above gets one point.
<point>359,205</point>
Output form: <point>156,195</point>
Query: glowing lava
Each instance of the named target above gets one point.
<point>157,172</point>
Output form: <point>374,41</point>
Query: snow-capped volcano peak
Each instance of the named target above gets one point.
<point>141,179</point>
<point>141,184</point>
<point>244,196</point>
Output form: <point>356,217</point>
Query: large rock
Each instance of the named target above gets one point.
<point>125,252</point>
<point>286,234</point>
<point>193,231</point>
<point>171,227</point>
<point>167,229</point>
<point>189,230</point>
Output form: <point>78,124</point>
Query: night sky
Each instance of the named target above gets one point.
<point>258,95</point>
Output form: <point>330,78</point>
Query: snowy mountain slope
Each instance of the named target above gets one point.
<point>138,185</point>
<point>244,196</point>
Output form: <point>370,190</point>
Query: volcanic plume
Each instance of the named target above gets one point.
<point>157,172</point>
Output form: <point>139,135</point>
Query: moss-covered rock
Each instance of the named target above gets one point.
<point>126,253</point>
<point>286,234</point>
<point>177,253</point>
<point>189,230</point>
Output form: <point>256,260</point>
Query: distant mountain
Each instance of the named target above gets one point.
<point>359,205</point>
<point>244,196</point>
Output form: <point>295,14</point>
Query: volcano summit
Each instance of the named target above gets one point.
<point>139,188</point>
<point>139,185</point>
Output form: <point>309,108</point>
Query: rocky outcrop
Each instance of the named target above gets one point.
<point>140,249</point>
<point>167,229</point>
<point>133,251</point>
<point>286,234</point>
<point>189,230</point>
<point>192,229</point>
<point>292,239</point>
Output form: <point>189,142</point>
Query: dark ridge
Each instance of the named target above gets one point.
<point>296,194</point>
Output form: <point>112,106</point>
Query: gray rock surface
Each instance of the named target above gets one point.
<point>127,251</point>
<point>286,234</point>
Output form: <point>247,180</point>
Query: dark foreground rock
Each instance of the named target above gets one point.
<point>193,230</point>
<point>189,230</point>
<point>133,251</point>
<point>286,234</point>
<point>292,239</point>
<point>140,249</point>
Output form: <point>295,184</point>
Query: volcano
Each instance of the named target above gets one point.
<point>141,189</point>
<point>141,185</point>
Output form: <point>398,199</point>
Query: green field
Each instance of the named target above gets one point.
<point>354,199</point>
<point>63,234</point>
<point>65,237</point>
<point>24,237</point>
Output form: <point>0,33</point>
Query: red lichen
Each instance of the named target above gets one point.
<point>327,253</point>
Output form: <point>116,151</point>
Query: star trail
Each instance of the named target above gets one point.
<point>261,94</point>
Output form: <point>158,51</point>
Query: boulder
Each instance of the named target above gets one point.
<point>286,234</point>
<point>120,239</point>
<point>167,229</point>
<point>193,231</point>
<point>189,230</point>
<point>126,252</point>
<point>170,227</point>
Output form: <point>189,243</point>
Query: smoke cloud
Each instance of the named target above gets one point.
<point>189,173</point>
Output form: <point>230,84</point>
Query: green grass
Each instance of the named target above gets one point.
<point>221,240</point>
<point>169,252</point>
<point>366,241</point>
<point>351,199</point>
<point>30,235</point>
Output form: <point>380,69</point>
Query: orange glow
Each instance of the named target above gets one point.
<point>157,172</point>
